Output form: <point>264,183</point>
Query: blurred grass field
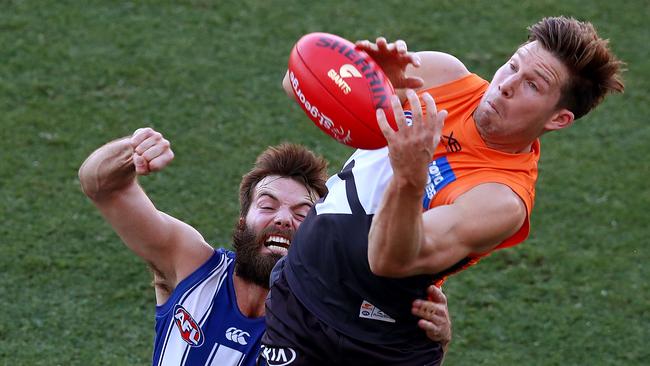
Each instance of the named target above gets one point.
<point>74,75</point>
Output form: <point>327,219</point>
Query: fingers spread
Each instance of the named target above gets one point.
<point>415,59</point>
<point>384,126</point>
<point>382,44</point>
<point>398,112</point>
<point>400,46</point>
<point>435,118</point>
<point>431,105</point>
<point>366,45</point>
<point>416,107</point>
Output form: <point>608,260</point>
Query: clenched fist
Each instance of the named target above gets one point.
<point>152,152</point>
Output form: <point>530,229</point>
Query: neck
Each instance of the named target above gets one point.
<point>510,147</point>
<point>250,297</point>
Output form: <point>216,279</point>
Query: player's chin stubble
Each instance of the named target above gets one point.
<point>250,264</point>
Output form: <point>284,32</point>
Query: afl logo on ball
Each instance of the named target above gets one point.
<point>187,326</point>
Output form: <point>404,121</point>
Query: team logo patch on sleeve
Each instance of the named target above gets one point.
<point>187,326</point>
<point>440,174</point>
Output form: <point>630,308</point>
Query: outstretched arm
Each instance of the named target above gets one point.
<point>108,177</point>
<point>404,241</point>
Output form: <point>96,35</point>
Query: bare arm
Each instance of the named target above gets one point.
<point>436,68</point>
<point>403,241</point>
<point>108,177</point>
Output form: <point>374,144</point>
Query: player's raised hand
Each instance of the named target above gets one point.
<point>152,152</point>
<point>411,147</point>
<point>393,58</point>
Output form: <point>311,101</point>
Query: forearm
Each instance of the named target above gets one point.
<point>396,233</point>
<point>108,169</point>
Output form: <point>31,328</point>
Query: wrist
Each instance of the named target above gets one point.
<point>408,187</point>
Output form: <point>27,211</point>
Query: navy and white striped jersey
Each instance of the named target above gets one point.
<point>327,267</point>
<point>200,324</point>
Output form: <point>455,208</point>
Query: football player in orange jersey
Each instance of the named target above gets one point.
<point>456,182</point>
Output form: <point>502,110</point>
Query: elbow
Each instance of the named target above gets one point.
<point>385,267</point>
<point>88,185</point>
<point>379,268</point>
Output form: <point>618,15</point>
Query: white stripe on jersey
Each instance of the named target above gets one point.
<point>224,356</point>
<point>372,171</point>
<point>197,301</point>
<point>220,267</point>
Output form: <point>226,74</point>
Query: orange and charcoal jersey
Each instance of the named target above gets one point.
<point>327,268</point>
<point>462,160</point>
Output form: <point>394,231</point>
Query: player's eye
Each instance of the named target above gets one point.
<point>533,86</point>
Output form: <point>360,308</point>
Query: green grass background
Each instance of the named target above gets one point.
<point>76,74</point>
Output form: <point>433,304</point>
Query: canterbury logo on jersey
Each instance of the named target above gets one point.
<point>187,326</point>
<point>440,174</point>
<point>237,336</point>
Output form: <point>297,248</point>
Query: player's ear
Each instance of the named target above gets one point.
<point>560,119</point>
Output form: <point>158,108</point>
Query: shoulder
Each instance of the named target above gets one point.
<point>499,196</point>
<point>437,68</point>
<point>225,253</point>
<point>488,214</point>
<point>223,258</point>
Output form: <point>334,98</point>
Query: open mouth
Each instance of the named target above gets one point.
<point>278,244</point>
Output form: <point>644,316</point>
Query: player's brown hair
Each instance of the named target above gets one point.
<point>594,70</point>
<point>286,160</point>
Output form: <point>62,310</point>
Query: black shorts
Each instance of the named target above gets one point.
<point>295,337</point>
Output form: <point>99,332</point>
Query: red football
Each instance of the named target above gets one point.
<point>340,88</point>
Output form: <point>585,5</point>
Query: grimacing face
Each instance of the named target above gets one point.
<point>278,207</point>
<point>521,101</point>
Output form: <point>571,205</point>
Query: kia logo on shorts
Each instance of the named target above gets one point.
<point>187,326</point>
<point>278,356</point>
